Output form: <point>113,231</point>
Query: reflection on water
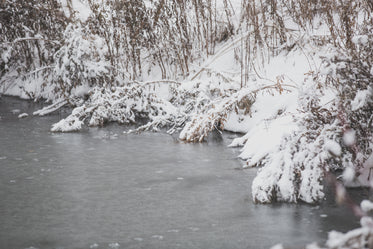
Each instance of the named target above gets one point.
<point>102,189</point>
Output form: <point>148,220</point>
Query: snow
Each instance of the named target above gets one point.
<point>6,55</point>
<point>361,98</point>
<point>81,91</point>
<point>51,108</point>
<point>114,245</point>
<point>278,246</point>
<point>16,111</point>
<point>71,123</point>
<point>237,123</point>
<point>349,137</point>
<point>265,138</point>
<point>348,175</point>
<point>81,8</point>
<point>366,205</point>
<point>23,115</point>
<point>366,221</point>
<point>360,39</point>
<point>33,85</point>
<point>194,229</point>
<point>313,246</point>
<point>159,237</point>
<point>272,125</point>
<point>357,238</point>
<point>333,148</point>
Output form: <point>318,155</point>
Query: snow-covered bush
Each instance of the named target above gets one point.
<point>296,171</point>
<point>30,34</point>
<point>213,116</point>
<point>165,34</point>
<point>124,105</point>
<point>350,72</point>
<point>124,28</point>
<point>117,41</point>
<point>214,113</point>
<point>80,63</point>
<point>334,109</point>
<point>359,238</point>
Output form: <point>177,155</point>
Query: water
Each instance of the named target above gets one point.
<point>102,189</point>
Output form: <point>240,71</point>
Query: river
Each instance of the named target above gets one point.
<point>100,189</point>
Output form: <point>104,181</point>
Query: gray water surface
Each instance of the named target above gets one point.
<point>102,189</point>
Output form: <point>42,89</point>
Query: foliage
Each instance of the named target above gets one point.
<point>30,34</point>
<point>297,170</point>
<point>124,105</point>
<point>120,41</point>
<point>81,61</point>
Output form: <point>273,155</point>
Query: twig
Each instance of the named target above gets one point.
<point>222,51</point>
<point>155,82</point>
<point>51,108</point>
<point>29,39</point>
<point>39,69</point>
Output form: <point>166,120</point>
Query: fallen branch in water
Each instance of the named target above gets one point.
<point>51,108</point>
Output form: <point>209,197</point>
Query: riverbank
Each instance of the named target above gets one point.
<point>293,79</point>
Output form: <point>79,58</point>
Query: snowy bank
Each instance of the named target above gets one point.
<point>294,76</point>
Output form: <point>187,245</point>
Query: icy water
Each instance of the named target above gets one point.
<point>102,189</point>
